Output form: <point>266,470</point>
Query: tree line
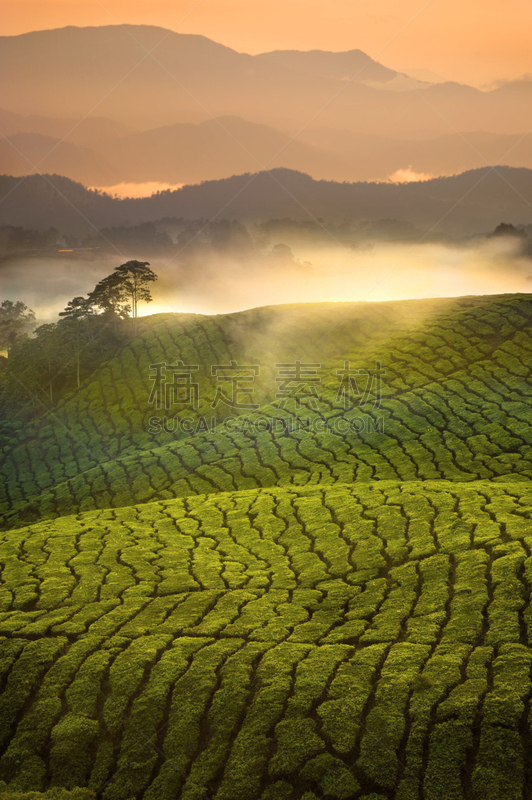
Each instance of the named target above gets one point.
<point>45,362</point>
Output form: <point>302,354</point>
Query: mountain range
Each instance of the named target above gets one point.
<point>474,202</point>
<point>149,76</point>
<point>104,153</point>
<point>139,104</point>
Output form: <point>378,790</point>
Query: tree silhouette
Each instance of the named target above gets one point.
<point>77,317</point>
<point>135,277</point>
<point>77,308</point>
<point>109,296</point>
<point>121,291</point>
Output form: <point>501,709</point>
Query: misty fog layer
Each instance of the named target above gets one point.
<point>145,189</point>
<point>215,283</point>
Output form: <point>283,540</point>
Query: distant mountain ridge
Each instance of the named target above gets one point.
<point>473,202</point>
<point>100,152</point>
<point>88,131</point>
<point>147,73</point>
<point>46,69</point>
<point>347,65</point>
<point>20,152</point>
<point>136,103</point>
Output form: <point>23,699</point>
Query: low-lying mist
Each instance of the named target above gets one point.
<point>144,189</point>
<point>211,281</point>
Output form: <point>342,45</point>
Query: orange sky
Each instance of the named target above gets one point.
<point>476,41</point>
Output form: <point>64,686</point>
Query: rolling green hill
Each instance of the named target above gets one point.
<point>279,603</point>
<point>336,642</point>
<point>454,405</point>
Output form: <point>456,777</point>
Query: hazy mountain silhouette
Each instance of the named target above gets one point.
<point>24,153</point>
<point>88,132</point>
<point>191,78</point>
<point>371,157</point>
<point>191,75</point>
<point>190,153</point>
<point>472,202</point>
<point>217,148</point>
<point>349,65</point>
<point>100,152</point>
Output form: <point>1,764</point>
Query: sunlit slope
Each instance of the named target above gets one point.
<point>347,641</point>
<point>455,405</point>
<point>110,414</point>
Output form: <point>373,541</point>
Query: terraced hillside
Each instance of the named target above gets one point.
<point>350,641</point>
<point>455,405</point>
<point>251,610</point>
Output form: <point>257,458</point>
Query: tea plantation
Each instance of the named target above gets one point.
<point>312,599</point>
